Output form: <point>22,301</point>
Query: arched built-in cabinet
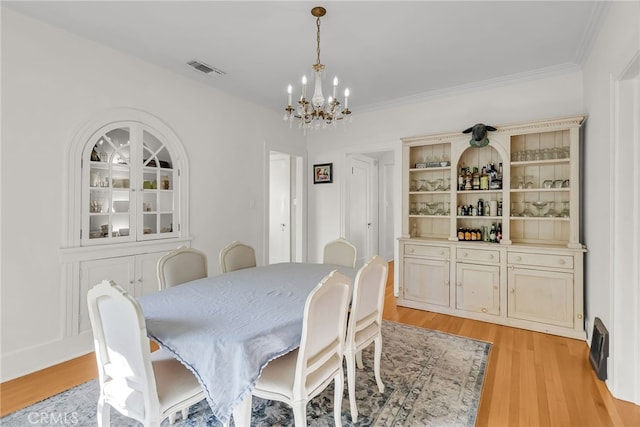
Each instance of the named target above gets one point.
<point>127,206</point>
<point>500,245</point>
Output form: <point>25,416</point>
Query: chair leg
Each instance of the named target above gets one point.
<point>300,413</point>
<point>351,385</point>
<point>376,362</point>
<point>359,359</point>
<point>172,418</point>
<point>104,413</point>
<point>337,398</point>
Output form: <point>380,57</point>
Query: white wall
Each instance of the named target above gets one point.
<point>616,302</point>
<point>53,82</point>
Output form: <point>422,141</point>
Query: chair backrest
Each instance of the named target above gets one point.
<point>237,256</point>
<point>367,302</point>
<point>323,333</point>
<point>180,266</point>
<point>340,252</point>
<point>122,350</point>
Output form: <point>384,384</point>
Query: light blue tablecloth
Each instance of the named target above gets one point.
<point>226,328</point>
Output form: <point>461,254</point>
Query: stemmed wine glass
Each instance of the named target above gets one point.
<point>526,212</point>
<point>540,204</point>
<point>551,213</point>
<point>565,210</point>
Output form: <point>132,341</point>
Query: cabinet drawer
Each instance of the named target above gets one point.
<point>428,251</point>
<point>485,255</point>
<point>543,260</point>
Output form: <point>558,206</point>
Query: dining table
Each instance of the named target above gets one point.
<point>227,328</point>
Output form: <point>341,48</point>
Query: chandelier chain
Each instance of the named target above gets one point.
<point>318,40</point>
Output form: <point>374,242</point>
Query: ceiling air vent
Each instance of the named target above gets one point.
<point>205,68</point>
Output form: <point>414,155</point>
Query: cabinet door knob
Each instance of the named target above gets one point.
<point>446,283</point>
<point>495,286</point>
<point>513,291</point>
<point>484,310</point>
<point>579,316</point>
<point>131,282</point>
<point>459,284</point>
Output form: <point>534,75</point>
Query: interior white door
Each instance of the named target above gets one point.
<point>362,228</point>
<point>279,208</point>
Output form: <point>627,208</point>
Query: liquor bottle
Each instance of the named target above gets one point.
<point>499,233</point>
<point>460,233</point>
<point>475,184</point>
<point>467,179</point>
<point>461,179</point>
<point>492,233</point>
<point>484,179</point>
<point>499,207</point>
<point>480,207</point>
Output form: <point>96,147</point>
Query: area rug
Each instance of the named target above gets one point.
<point>431,379</point>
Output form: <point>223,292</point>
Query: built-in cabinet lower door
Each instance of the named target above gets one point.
<point>136,274</point>
<point>146,280</point>
<point>541,296</point>
<point>478,288</point>
<point>120,270</point>
<point>426,280</point>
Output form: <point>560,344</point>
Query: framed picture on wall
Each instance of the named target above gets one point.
<point>323,173</point>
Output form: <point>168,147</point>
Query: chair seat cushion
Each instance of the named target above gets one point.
<point>277,376</point>
<point>176,385</point>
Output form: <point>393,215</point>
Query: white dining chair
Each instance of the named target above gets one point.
<point>340,252</point>
<point>237,256</point>
<point>302,374</point>
<point>180,266</point>
<point>365,322</point>
<point>145,386</point>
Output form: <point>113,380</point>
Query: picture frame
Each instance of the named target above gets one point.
<point>323,173</point>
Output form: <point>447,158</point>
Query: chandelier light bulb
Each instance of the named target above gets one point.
<point>289,90</point>
<point>346,99</point>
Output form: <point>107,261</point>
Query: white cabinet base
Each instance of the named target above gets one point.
<point>538,288</point>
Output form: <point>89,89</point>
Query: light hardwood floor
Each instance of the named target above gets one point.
<point>532,379</point>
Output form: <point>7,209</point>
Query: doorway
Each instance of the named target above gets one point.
<point>285,215</point>
<point>370,201</point>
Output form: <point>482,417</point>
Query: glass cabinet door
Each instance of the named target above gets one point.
<point>108,180</point>
<point>129,186</point>
<point>157,189</point>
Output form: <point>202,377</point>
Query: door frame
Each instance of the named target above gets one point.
<point>300,195</point>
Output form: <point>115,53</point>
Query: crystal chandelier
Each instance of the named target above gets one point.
<point>317,113</point>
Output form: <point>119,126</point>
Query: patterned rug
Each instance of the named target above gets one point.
<point>431,379</point>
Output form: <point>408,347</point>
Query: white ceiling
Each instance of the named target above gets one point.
<point>384,51</point>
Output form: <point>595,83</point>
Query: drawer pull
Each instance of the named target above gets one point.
<point>410,250</point>
<point>465,254</point>
<point>561,261</point>
<point>513,291</point>
<point>484,310</point>
<point>441,253</point>
<point>518,258</point>
<point>490,256</point>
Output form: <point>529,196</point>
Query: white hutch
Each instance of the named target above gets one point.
<point>533,277</point>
